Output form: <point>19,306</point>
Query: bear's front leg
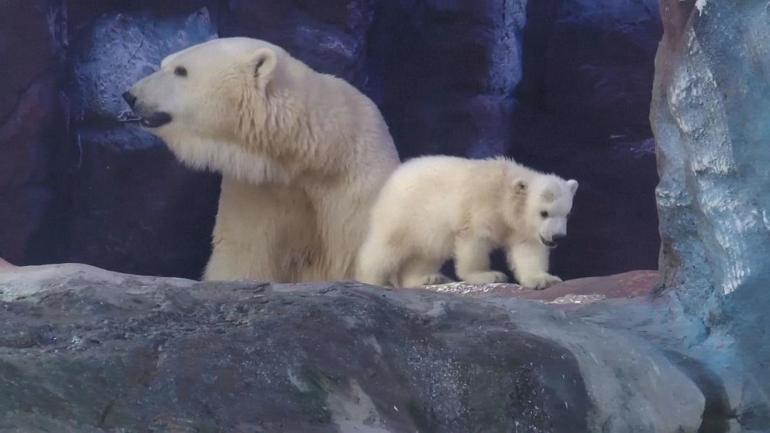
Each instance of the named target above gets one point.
<point>262,233</point>
<point>472,261</point>
<point>529,262</point>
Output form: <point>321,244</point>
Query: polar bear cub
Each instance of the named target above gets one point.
<point>436,207</point>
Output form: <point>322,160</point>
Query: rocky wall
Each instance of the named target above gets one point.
<point>539,81</point>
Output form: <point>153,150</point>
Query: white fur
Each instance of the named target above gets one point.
<point>302,156</point>
<point>435,207</point>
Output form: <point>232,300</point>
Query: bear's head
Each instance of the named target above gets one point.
<point>209,102</point>
<point>542,207</point>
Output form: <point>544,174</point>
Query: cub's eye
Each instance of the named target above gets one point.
<point>180,71</point>
<point>544,214</point>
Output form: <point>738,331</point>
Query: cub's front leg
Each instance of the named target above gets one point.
<point>472,261</point>
<point>529,262</point>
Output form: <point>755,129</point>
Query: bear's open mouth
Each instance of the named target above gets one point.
<point>154,120</point>
<point>549,244</point>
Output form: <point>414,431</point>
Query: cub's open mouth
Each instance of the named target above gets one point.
<point>154,120</point>
<point>549,244</point>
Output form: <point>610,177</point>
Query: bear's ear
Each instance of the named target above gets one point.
<point>262,64</point>
<point>520,187</point>
<point>573,185</point>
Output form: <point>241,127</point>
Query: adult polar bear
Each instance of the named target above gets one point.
<point>302,156</point>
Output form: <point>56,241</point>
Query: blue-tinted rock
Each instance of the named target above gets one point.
<point>119,49</point>
<point>613,227</point>
<point>711,111</point>
<point>329,35</point>
<point>582,111</point>
<point>592,60</point>
<point>27,48</point>
<point>444,73</point>
<point>138,210</point>
<point>22,214</point>
<point>26,185</point>
<point>129,204</point>
<point>29,116</point>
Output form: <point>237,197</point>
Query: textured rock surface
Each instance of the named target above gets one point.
<point>85,350</point>
<point>580,291</point>
<point>710,114</point>
<point>29,114</point>
<point>446,72</point>
<point>613,227</point>
<point>128,200</point>
<point>27,47</point>
<point>330,35</point>
<point>583,105</point>
<point>118,49</point>
<point>591,60</point>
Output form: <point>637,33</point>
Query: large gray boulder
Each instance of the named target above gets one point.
<point>87,350</point>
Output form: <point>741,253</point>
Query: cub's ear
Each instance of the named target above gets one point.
<point>573,185</point>
<point>520,187</point>
<point>262,65</point>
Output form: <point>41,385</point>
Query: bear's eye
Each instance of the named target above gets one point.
<point>544,214</point>
<point>180,71</point>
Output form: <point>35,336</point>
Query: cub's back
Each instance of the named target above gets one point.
<point>427,190</point>
<point>428,177</point>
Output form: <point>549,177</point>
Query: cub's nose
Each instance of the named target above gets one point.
<point>558,236</point>
<point>130,99</point>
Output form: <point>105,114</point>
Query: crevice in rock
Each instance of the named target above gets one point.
<point>105,413</point>
<point>717,412</point>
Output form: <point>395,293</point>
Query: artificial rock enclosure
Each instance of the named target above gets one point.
<point>563,85</point>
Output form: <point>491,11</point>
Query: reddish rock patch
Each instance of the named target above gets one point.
<point>5,266</point>
<point>626,285</point>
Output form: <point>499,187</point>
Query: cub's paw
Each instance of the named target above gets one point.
<point>488,277</point>
<point>540,281</point>
<point>415,281</point>
<point>433,279</point>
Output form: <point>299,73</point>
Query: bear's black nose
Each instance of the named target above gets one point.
<point>557,237</point>
<point>130,99</point>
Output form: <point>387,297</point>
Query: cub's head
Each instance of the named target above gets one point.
<point>207,96</point>
<point>544,205</point>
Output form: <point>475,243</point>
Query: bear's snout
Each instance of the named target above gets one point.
<point>147,118</point>
<point>129,98</point>
<point>554,241</point>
